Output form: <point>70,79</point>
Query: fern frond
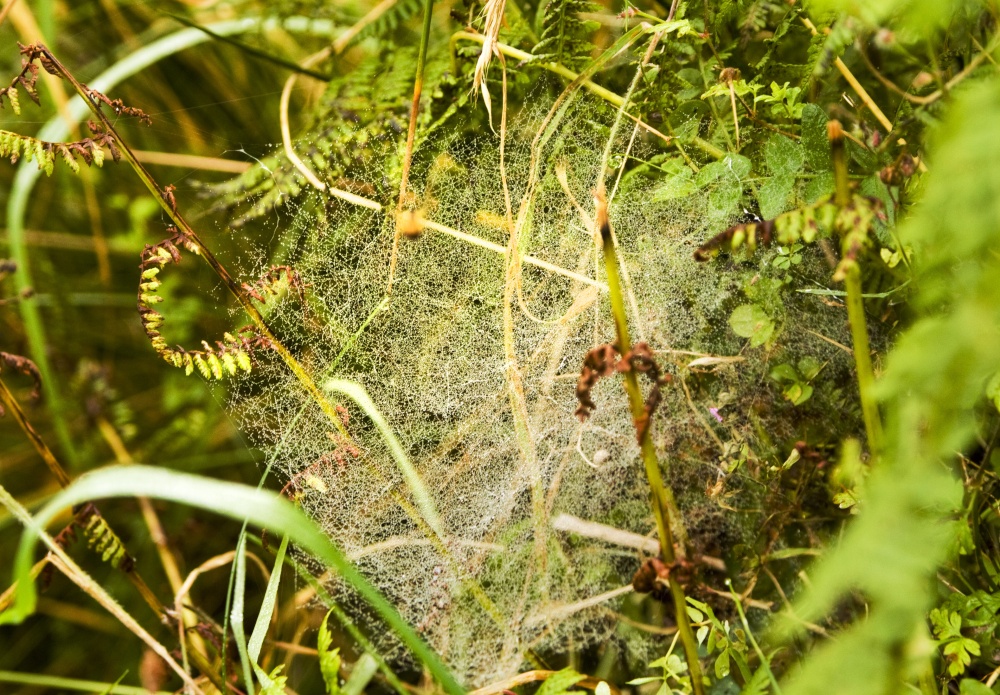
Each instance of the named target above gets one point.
<point>228,356</point>
<point>26,79</point>
<point>43,153</point>
<point>388,21</point>
<point>102,539</point>
<point>27,367</point>
<point>360,122</point>
<point>804,225</point>
<point>564,37</point>
<point>824,52</point>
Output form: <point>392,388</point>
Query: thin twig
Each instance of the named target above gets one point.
<point>10,403</point>
<point>192,161</point>
<point>561,612</point>
<point>937,94</point>
<point>286,135</point>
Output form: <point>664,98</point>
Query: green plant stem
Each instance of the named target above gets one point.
<point>418,85</point>
<point>862,360</point>
<point>57,684</point>
<point>855,304</point>
<point>764,662</point>
<point>10,403</point>
<point>664,507</point>
<point>251,50</point>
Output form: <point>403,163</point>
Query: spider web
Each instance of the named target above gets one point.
<point>435,357</point>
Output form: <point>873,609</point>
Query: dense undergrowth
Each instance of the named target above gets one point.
<point>619,347</point>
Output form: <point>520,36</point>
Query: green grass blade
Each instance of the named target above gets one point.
<point>267,607</point>
<point>425,503</point>
<point>237,612</point>
<point>361,675</point>
<point>61,684</point>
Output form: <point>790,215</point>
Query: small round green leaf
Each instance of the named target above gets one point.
<point>750,321</point>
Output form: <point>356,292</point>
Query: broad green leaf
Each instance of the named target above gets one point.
<point>968,686</point>
<point>784,157</point>
<point>750,321</point>
<point>784,372</point>
<point>738,164</point>
<point>798,393</point>
<point>722,665</point>
<point>773,197</point>
<point>866,160</point>
<point>734,165</point>
<point>814,138</point>
<point>559,682</point>
<point>818,186</point>
<point>809,367</point>
<point>676,185</point>
<point>723,199</point>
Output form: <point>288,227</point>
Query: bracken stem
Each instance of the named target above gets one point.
<point>855,305</point>
<point>664,507</point>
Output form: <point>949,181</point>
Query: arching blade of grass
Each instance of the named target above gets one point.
<point>357,393</point>
<point>236,616</point>
<point>237,502</point>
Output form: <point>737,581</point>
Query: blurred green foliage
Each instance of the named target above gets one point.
<point>908,582</point>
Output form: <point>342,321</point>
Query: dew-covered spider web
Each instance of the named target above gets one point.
<point>478,383</point>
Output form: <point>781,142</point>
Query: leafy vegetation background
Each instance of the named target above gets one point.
<point>851,529</point>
